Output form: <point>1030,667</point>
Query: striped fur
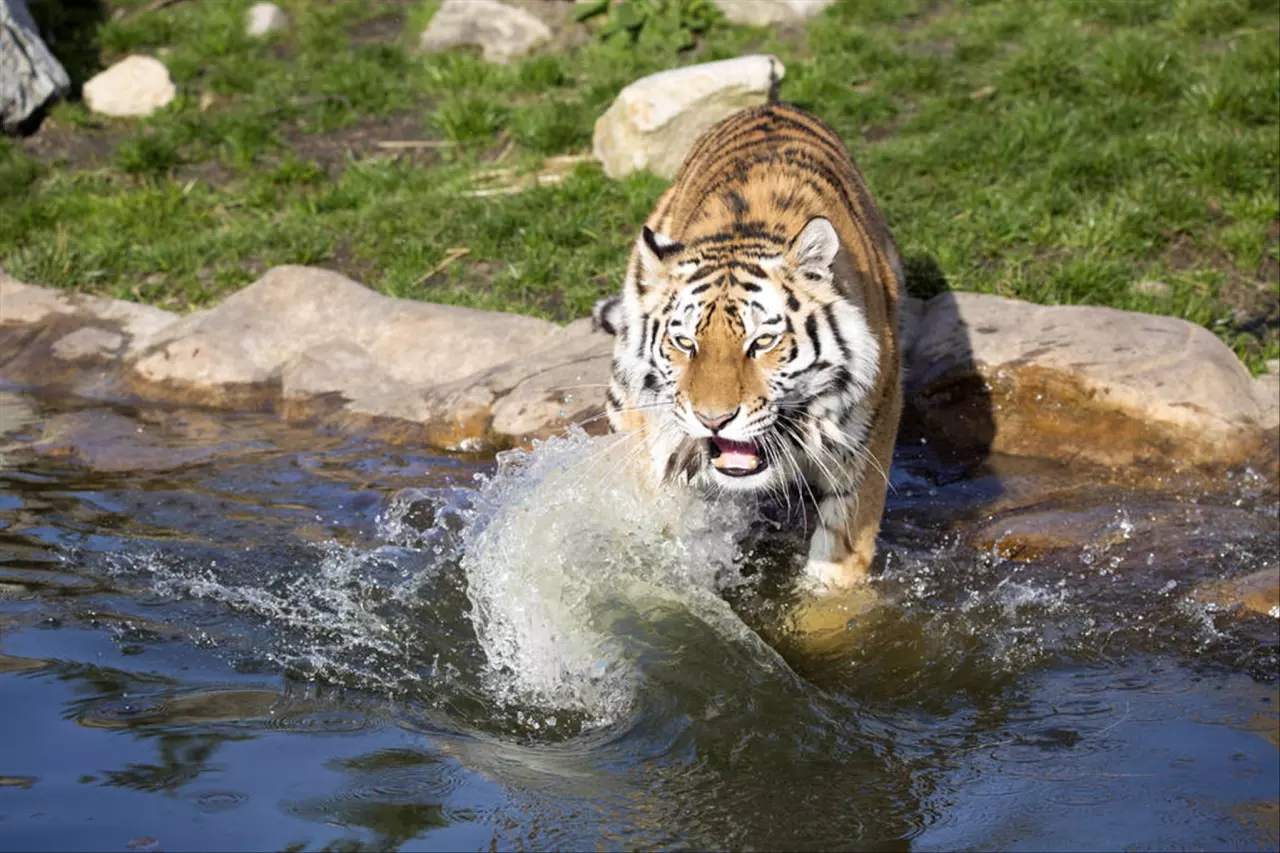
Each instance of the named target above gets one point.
<point>760,311</point>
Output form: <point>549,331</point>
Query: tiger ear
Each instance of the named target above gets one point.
<point>606,315</point>
<point>655,249</point>
<point>816,246</point>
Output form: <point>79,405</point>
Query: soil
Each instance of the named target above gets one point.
<point>1255,297</point>
<point>333,149</point>
<point>73,148</point>
<point>389,26</point>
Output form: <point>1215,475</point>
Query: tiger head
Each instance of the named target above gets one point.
<point>743,358</point>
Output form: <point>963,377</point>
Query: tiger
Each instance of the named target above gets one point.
<point>756,332</point>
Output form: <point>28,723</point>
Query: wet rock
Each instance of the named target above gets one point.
<point>134,86</point>
<point>764,13</point>
<point>264,19</point>
<point>1258,592</point>
<point>103,441</point>
<point>1028,535</point>
<point>503,32</point>
<point>16,415</point>
<point>655,120</point>
<point>30,76</point>
<point>150,438</point>
<point>1080,383</point>
<point>66,341</point>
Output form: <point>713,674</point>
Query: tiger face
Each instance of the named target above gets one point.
<point>743,359</point>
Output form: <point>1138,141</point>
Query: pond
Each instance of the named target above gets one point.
<point>223,632</point>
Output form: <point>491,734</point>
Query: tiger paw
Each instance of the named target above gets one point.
<point>831,621</point>
<point>826,577</point>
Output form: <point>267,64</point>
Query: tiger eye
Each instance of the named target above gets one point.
<point>763,343</point>
<point>685,344</point>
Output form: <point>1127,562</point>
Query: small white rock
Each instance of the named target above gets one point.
<point>134,86</point>
<point>503,32</point>
<point>1153,287</point>
<point>265,18</point>
<point>654,121</point>
<point>763,13</point>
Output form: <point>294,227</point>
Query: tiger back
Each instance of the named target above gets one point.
<point>757,331</point>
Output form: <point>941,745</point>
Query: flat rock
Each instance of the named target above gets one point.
<point>654,121</point>
<point>764,13</point>
<point>134,86</point>
<point>265,18</point>
<point>503,32</point>
<point>1080,383</point>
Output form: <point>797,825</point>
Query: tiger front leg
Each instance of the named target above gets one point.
<point>837,572</point>
<point>836,579</point>
<point>841,550</point>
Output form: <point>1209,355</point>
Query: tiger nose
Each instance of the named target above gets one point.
<point>714,422</point>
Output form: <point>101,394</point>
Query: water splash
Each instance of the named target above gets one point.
<point>571,567</point>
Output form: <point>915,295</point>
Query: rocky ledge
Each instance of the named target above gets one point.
<point>984,373</point>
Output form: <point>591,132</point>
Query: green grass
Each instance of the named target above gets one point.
<point>1124,140</point>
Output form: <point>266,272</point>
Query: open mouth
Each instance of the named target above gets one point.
<point>737,458</point>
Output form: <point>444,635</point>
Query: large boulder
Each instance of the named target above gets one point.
<point>654,121</point>
<point>503,32</point>
<point>1079,383</point>
<point>764,13</point>
<point>134,86</point>
<point>30,76</point>
<point>246,341</point>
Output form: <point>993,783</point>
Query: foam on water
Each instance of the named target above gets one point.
<point>569,564</point>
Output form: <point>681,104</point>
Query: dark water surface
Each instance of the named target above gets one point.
<point>220,632</point>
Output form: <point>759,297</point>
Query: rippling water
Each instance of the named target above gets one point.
<point>218,631</point>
